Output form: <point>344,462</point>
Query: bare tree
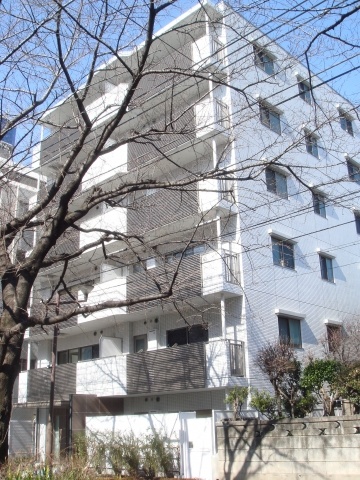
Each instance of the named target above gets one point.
<point>80,52</point>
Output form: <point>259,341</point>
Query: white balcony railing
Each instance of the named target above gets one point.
<point>212,116</point>
<point>224,359</point>
<point>109,219</point>
<point>220,272</point>
<point>208,52</point>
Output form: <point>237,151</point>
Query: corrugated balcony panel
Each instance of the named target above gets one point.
<point>184,131</point>
<point>38,388</point>
<point>187,285</point>
<point>168,369</point>
<point>155,83</point>
<point>161,208</point>
<point>57,144</point>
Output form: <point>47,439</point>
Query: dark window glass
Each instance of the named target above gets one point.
<point>326,268</point>
<point>333,333</point>
<point>290,331</point>
<point>276,183</point>
<point>357,223</point>
<point>264,60</point>
<point>185,335</point>
<point>86,353</point>
<point>346,124</point>
<point>319,204</point>
<point>312,145</point>
<point>140,343</point>
<point>198,333</point>
<point>177,337</point>
<point>354,172</point>
<point>304,92</point>
<point>283,253</point>
<point>270,118</point>
<point>63,357</point>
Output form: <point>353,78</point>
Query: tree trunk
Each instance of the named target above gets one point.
<point>8,373</point>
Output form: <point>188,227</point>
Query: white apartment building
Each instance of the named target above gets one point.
<point>270,248</point>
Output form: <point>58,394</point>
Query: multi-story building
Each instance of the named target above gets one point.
<point>268,243</point>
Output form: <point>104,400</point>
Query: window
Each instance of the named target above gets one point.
<point>75,355</point>
<point>304,92</point>
<point>140,343</point>
<point>222,114</point>
<point>283,253</point>
<point>175,256</point>
<point>354,172</point>
<point>270,118</point>
<point>264,60</point>
<point>227,186</point>
<point>231,261</point>
<point>333,334</point>
<point>357,223</point>
<point>185,335</point>
<point>319,204</point>
<point>311,144</point>
<point>276,182</point>
<point>290,331</point>
<point>9,136</point>
<point>346,124</point>
<point>237,363</point>
<point>326,268</point>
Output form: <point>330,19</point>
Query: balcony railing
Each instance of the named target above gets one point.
<point>34,385</point>
<point>208,53</point>
<point>221,273</point>
<point>183,367</point>
<point>212,117</point>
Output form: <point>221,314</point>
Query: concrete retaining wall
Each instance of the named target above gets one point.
<point>310,448</point>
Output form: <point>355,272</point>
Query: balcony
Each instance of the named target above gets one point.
<point>185,367</point>
<point>108,166</point>
<point>102,377</point>
<point>108,218</point>
<point>114,289</point>
<point>212,119</point>
<point>194,366</point>
<point>217,195</point>
<point>108,104</point>
<point>208,53</point>
<point>34,385</point>
<point>220,270</point>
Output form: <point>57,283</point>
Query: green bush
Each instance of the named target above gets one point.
<point>264,403</point>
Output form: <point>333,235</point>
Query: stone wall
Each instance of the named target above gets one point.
<point>308,448</point>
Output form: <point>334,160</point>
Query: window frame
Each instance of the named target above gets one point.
<point>346,123</point>
<point>77,352</point>
<point>190,335</point>
<point>283,252</point>
<point>305,92</point>
<point>353,171</point>
<point>332,331</point>
<point>292,326</point>
<point>357,222</point>
<point>319,204</point>
<point>264,60</point>
<point>275,179</point>
<point>311,143</point>
<point>326,268</point>
<point>270,117</point>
